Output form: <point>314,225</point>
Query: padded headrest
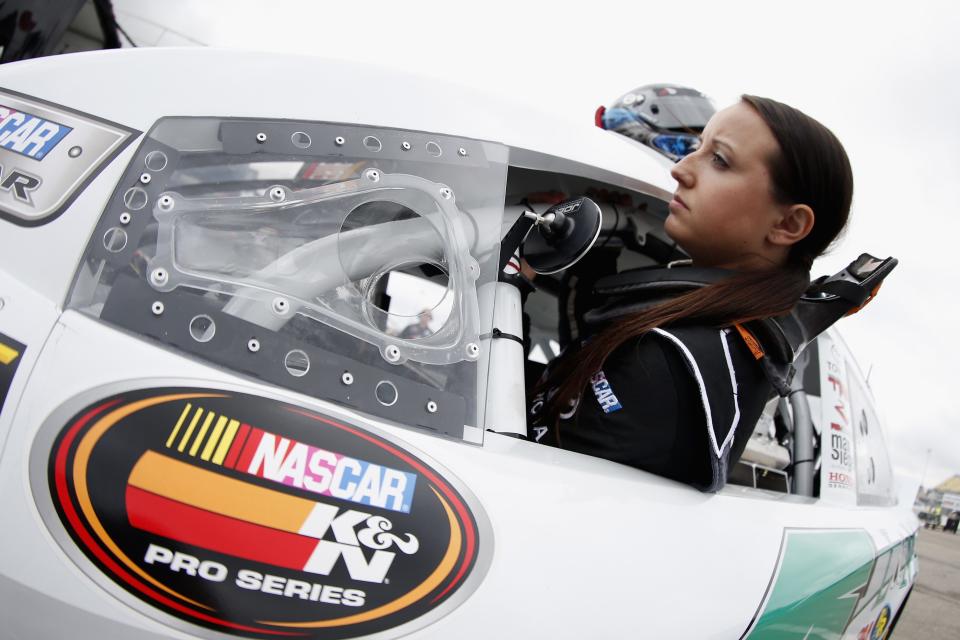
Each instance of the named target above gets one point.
<point>665,280</point>
<point>637,289</point>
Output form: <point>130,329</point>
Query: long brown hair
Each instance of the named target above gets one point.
<point>811,168</point>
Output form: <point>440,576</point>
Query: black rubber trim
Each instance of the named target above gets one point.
<point>129,306</point>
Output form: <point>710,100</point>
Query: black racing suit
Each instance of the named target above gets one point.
<point>680,402</point>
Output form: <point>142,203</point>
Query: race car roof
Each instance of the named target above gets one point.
<point>135,87</point>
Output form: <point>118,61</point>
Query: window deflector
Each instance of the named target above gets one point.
<point>325,278</point>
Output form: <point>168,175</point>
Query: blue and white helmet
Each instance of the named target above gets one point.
<point>667,117</point>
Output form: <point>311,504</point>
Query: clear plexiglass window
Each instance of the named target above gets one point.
<point>341,261</point>
<point>874,473</point>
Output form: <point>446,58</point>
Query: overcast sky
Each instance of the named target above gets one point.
<point>883,76</point>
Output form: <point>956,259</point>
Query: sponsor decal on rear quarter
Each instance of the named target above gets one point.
<point>882,624</point>
<point>836,439</point>
<point>877,629</point>
<point>819,581</point>
<point>217,510</point>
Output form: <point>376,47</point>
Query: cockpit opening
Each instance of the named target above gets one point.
<point>307,256</point>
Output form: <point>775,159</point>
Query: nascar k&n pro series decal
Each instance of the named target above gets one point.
<point>48,153</point>
<point>245,515</point>
<point>11,353</point>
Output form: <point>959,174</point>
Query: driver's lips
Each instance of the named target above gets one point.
<point>677,204</point>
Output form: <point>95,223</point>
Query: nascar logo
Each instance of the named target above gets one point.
<point>29,135</point>
<point>266,455</point>
<point>178,499</point>
<point>605,396</point>
<point>174,499</point>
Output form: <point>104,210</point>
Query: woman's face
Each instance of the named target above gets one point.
<point>723,211</point>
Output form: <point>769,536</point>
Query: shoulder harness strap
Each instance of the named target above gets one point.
<point>707,354</point>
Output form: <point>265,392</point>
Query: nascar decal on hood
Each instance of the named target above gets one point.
<point>249,516</point>
<point>48,154</point>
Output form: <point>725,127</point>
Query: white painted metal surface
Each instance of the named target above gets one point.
<point>581,547</point>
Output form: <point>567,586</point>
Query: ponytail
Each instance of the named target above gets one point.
<point>744,296</point>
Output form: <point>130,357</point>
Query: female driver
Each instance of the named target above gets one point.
<point>673,389</point>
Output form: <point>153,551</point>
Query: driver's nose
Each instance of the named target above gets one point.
<point>682,172</point>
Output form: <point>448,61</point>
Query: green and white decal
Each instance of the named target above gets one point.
<point>821,575</point>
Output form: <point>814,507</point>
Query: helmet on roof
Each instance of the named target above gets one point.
<point>666,117</point>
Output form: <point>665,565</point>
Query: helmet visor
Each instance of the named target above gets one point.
<point>676,146</point>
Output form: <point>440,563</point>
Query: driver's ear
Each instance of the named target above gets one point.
<point>795,225</point>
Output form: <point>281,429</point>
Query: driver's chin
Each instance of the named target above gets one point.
<point>670,226</point>
<point>674,228</point>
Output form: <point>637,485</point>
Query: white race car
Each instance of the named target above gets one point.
<point>261,376</point>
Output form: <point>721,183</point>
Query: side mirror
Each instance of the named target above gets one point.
<point>561,236</point>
